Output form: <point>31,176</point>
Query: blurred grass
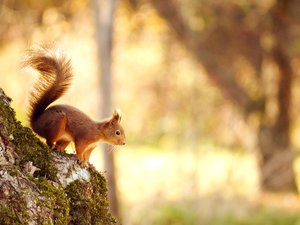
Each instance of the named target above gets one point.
<point>177,215</point>
<point>260,217</point>
<point>208,184</point>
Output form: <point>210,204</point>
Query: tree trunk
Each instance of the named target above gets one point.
<point>277,173</point>
<point>104,17</point>
<point>41,186</point>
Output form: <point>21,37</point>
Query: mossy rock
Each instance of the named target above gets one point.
<point>40,186</point>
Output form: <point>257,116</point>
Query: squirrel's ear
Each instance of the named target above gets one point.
<point>117,115</point>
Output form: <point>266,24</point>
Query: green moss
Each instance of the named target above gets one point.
<point>88,201</point>
<point>28,146</point>
<point>14,213</point>
<point>13,171</point>
<point>32,149</point>
<point>8,216</point>
<point>55,199</point>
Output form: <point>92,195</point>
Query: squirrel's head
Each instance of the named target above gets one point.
<point>113,131</point>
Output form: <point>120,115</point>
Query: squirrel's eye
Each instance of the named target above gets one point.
<point>118,132</point>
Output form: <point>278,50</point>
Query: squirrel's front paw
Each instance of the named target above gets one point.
<point>57,148</point>
<point>81,162</point>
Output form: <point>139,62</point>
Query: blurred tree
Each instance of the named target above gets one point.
<point>104,19</point>
<point>20,18</point>
<point>222,36</point>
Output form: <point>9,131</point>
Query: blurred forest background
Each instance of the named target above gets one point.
<point>210,95</point>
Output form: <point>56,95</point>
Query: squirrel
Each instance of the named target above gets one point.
<point>62,124</point>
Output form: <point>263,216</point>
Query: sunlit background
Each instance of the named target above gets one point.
<point>193,151</point>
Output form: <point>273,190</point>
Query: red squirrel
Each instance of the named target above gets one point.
<point>62,124</point>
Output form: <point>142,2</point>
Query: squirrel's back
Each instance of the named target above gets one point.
<point>55,77</point>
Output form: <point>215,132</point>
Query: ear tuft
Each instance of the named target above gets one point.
<point>117,115</point>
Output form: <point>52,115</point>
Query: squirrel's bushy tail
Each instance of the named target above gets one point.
<point>55,77</point>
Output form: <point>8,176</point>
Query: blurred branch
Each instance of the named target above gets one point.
<point>20,18</point>
<point>217,72</point>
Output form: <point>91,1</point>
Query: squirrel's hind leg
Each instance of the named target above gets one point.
<point>60,145</point>
<point>57,130</point>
